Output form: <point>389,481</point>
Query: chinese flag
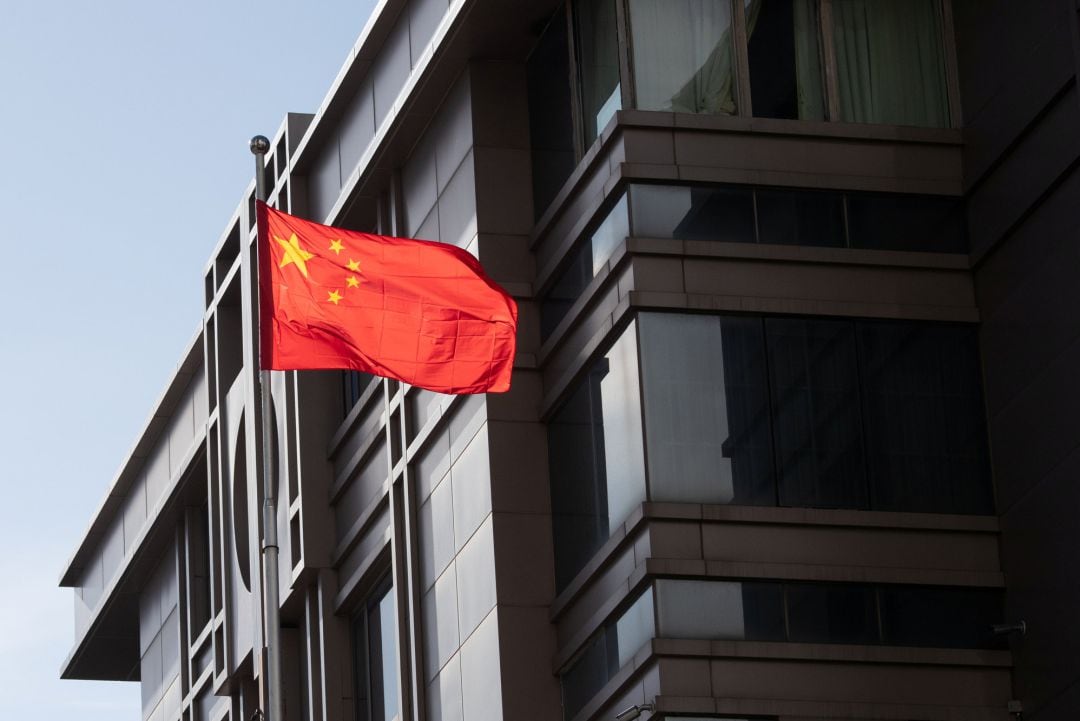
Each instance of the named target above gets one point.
<point>418,311</point>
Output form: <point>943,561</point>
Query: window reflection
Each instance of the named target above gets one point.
<point>376,657</point>
<point>598,64</point>
<point>745,214</point>
<point>849,613</point>
<point>611,649</point>
<point>796,216</point>
<point>780,611</point>
<point>551,125</point>
<point>709,437</point>
<point>586,262</point>
<point>797,412</point>
<point>686,212</point>
<point>595,457</point>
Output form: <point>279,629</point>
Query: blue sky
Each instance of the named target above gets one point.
<point>124,128</point>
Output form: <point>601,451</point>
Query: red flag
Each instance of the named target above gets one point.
<point>418,311</point>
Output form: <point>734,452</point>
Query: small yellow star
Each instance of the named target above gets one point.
<point>353,265</point>
<point>335,297</point>
<point>336,246</point>
<point>352,281</point>
<point>294,254</point>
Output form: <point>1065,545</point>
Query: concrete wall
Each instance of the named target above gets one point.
<point>1021,111</point>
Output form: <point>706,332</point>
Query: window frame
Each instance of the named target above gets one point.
<point>741,66</point>
<point>360,629</point>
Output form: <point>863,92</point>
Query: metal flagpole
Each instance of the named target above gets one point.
<point>271,604</point>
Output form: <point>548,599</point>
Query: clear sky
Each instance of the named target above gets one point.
<point>124,127</point>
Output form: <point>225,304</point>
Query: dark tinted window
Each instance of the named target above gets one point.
<point>816,418</point>
<point>607,652</point>
<point>597,55</point>
<point>725,214</point>
<point>354,383</point>
<point>943,617</point>
<point>831,613</point>
<point>551,126</point>
<point>926,430</point>
<point>848,613</point>
<point>566,290</point>
<point>763,611</point>
<point>375,656</point>
<point>595,457</point>
<point>906,222</point>
<point>785,66</point>
<point>798,217</point>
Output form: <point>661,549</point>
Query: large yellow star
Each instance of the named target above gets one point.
<point>353,265</point>
<point>352,281</point>
<point>294,254</point>
<point>334,297</point>
<point>336,246</point>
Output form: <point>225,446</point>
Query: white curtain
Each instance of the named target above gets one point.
<point>890,62</point>
<point>682,55</point>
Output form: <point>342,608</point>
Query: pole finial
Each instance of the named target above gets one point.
<point>259,145</point>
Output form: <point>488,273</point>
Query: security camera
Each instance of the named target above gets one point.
<point>634,711</point>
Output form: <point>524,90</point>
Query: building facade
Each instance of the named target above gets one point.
<point>790,429</point>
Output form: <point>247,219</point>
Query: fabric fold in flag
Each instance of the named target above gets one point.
<point>421,312</point>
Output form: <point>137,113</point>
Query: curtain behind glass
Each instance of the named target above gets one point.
<point>598,62</point>
<point>890,62</point>
<point>682,55</point>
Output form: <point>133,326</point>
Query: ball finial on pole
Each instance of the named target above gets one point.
<point>259,145</point>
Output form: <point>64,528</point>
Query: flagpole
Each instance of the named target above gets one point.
<point>271,604</point>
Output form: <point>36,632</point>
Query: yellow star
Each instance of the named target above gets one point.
<point>335,297</point>
<point>353,265</point>
<point>294,254</point>
<point>336,246</point>
<point>352,281</point>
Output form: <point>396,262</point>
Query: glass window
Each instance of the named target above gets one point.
<point>683,55</point>
<point>685,212</point>
<point>715,610</point>
<point>707,423</point>
<point>595,25</point>
<point>816,418</point>
<point>585,264</point>
<point>376,657</point>
<point>890,62</point>
<point>795,412</point>
<point>785,59</point>
<point>942,617</point>
<point>800,217</point>
<point>551,125</point>
<point>354,383</point>
<point>595,457</point>
<point>611,649</point>
<point>926,429</point>
<point>198,537</point>
<point>848,613</point>
<point>907,222</point>
<point>831,613</point>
